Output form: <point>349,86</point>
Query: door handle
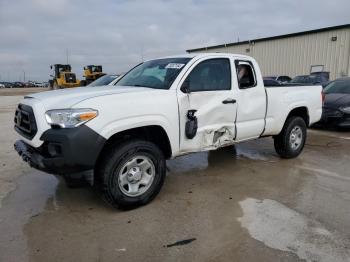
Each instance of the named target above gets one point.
<point>229,101</point>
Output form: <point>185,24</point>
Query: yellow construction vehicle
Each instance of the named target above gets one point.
<point>63,77</point>
<point>91,73</point>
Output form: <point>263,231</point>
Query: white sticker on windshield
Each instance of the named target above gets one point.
<point>174,65</point>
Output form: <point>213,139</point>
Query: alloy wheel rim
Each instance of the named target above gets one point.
<point>296,137</point>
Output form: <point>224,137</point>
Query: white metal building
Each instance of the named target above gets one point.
<point>295,54</point>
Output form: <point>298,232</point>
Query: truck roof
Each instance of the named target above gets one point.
<point>200,55</point>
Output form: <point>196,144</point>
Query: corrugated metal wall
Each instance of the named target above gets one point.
<point>295,55</point>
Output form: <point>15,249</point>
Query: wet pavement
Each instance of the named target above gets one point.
<point>240,203</point>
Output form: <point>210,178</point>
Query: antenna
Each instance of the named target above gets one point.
<point>67,55</point>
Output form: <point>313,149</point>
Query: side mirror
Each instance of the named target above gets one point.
<point>185,88</point>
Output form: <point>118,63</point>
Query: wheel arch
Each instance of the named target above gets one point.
<point>153,133</point>
<point>301,111</point>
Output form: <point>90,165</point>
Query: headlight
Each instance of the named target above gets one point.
<point>345,109</point>
<point>69,118</point>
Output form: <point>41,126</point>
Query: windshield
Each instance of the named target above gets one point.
<point>269,77</point>
<point>103,80</point>
<point>159,74</point>
<point>306,79</point>
<point>338,87</point>
<point>298,79</point>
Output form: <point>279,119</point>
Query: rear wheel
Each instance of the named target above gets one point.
<point>130,174</point>
<point>290,142</point>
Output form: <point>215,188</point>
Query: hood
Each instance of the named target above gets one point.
<point>336,100</point>
<point>66,98</point>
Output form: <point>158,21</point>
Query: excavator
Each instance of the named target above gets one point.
<point>63,77</point>
<point>91,73</point>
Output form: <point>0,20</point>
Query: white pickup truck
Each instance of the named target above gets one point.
<point>159,110</point>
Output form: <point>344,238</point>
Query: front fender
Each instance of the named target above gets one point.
<point>124,124</point>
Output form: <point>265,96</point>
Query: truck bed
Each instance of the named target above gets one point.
<point>281,99</point>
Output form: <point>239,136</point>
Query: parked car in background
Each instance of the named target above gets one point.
<point>7,84</point>
<point>104,80</point>
<point>281,79</point>
<point>30,84</point>
<point>2,85</point>
<point>336,106</point>
<point>310,80</point>
<point>323,74</point>
<point>271,82</point>
<point>18,84</point>
<point>38,84</point>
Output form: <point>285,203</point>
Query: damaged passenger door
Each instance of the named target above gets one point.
<point>207,105</point>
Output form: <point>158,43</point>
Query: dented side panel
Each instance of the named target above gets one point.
<point>216,121</point>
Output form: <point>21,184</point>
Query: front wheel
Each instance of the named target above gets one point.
<point>130,174</point>
<point>290,142</point>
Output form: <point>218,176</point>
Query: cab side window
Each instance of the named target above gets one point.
<point>245,75</point>
<point>210,75</point>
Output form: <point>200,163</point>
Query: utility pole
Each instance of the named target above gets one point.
<point>24,76</point>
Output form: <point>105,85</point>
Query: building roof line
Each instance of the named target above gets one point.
<point>271,37</point>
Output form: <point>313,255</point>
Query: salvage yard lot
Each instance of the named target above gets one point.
<point>240,203</point>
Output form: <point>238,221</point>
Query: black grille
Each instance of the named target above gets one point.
<point>70,78</point>
<point>25,123</point>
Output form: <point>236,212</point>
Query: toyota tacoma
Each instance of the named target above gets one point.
<point>159,110</point>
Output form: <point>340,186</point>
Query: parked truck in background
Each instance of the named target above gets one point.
<point>160,109</point>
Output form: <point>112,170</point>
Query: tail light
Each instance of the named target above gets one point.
<point>322,97</point>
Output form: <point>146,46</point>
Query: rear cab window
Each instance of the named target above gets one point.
<point>246,76</point>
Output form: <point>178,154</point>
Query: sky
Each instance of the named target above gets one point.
<point>119,34</point>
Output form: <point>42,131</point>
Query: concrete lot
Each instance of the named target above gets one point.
<point>240,203</point>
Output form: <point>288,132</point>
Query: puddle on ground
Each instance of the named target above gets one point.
<point>203,185</point>
<point>282,228</point>
<point>252,154</point>
<point>18,208</point>
<point>219,158</point>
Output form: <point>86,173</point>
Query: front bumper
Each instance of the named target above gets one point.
<point>64,151</point>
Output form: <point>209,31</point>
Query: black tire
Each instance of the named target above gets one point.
<point>283,142</point>
<point>83,83</point>
<point>51,84</point>
<point>112,161</point>
<point>55,85</point>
